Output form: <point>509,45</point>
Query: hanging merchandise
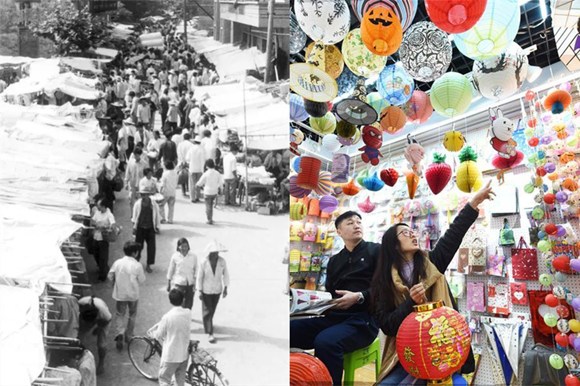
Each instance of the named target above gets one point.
<point>451,94</point>
<point>377,101</point>
<point>477,257</point>
<point>475,296</point>
<point>296,138</point>
<point>361,176</point>
<point>438,174</point>
<point>504,164</point>
<point>345,129</point>
<point>395,85</point>
<point>309,79</point>
<point>524,262</point>
<point>350,189</point>
<point>358,58</point>
<point>356,110</point>
<point>404,10</point>
<point>455,16</point>
<point>373,139</point>
<point>324,186</point>
<point>506,235</point>
<point>331,143</point>
<point>540,312</point>
<point>418,109</point>
<point>453,141</point>
<point>328,204</point>
<point>340,167</point>
<point>346,82</point>
<point>309,235</point>
<point>326,21</point>
<point>496,264</point>
<point>502,130</point>
<point>297,211</point>
<point>494,31</point>
<point>309,172</point>
<point>425,51</point>
<point>519,293</point>
<point>366,206</point>
<point>557,101</point>
<point>313,205</point>
<point>323,125</point>
<point>503,75</point>
<point>316,109</point>
<point>412,183</point>
<point>414,154</point>
<point>381,31</point>
<point>295,190</point>
<point>294,261</point>
<point>297,111</point>
<point>498,299</point>
<point>463,260</point>
<point>468,176</point>
<point>389,176</point>
<point>333,62</point>
<point>373,183</point>
<point>392,119</point>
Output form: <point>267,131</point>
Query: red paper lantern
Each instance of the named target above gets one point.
<point>455,16</point>
<point>551,300</point>
<point>308,174</point>
<point>306,369</point>
<point>433,342</point>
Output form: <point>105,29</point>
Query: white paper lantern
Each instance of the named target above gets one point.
<point>327,21</point>
<point>330,142</point>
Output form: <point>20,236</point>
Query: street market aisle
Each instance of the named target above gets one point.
<point>251,323</point>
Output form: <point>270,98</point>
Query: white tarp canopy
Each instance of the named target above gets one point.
<point>84,64</point>
<point>121,31</point>
<point>109,52</point>
<point>21,346</point>
<point>152,39</point>
<point>67,83</point>
<point>15,60</point>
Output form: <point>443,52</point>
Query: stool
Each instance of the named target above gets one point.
<point>360,358</point>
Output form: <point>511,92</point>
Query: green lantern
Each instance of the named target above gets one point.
<point>323,125</point>
<point>451,94</point>
<point>377,101</point>
<point>358,58</point>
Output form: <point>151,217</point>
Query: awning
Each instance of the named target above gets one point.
<point>82,64</point>
<point>109,52</point>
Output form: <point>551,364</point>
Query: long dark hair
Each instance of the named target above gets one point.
<point>382,284</point>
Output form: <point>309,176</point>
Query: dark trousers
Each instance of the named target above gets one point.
<point>209,199</point>
<point>332,336</point>
<point>187,291</point>
<point>147,235</point>
<point>209,303</point>
<point>102,257</point>
<point>163,118</point>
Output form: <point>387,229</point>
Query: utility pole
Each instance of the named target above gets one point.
<point>185,22</point>
<point>269,40</point>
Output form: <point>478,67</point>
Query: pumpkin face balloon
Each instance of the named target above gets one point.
<point>381,31</point>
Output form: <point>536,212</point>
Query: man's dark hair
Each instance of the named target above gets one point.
<point>234,148</point>
<point>131,247</point>
<point>138,151</point>
<point>344,216</point>
<point>210,164</point>
<point>147,171</point>
<point>175,297</point>
<point>187,136</point>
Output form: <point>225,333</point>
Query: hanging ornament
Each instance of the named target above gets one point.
<point>377,101</point>
<point>468,175</point>
<point>395,85</point>
<point>418,109</point>
<point>309,172</point>
<point>316,109</point>
<point>373,183</point>
<point>346,82</point>
<point>414,154</point>
<point>297,111</point>
<point>297,36</point>
<point>345,129</point>
<point>333,62</point>
<point>309,79</point>
<point>330,142</point>
<point>453,141</point>
<point>455,16</point>
<point>324,186</point>
<point>451,94</point>
<point>324,125</point>
<point>502,129</point>
<point>296,138</point>
<point>381,31</point>
<point>358,58</point>
<point>557,101</point>
<point>356,110</point>
<point>328,204</point>
<point>373,140</point>
<point>392,119</point>
<point>297,211</point>
<point>389,176</point>
<point>361,176</point>
<point>494,31</point>
<point>350,189</point>
<point>412,183</point>
<point>366,206</point>
<point>326,21</point>
<point>295,190</point>
<point>438,174</point>
<point>404,10</point>
<point>425,51</point>
<point>340,167</point>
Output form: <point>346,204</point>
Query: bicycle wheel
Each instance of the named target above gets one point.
<point>204,375</point>
<point>144,357</point>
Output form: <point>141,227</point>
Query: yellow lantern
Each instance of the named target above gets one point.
<point>468,177</point>
<point>453,141</point>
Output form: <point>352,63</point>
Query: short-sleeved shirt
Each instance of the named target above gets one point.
<point>128,274</point>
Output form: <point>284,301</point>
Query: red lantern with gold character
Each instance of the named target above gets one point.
<point>433,342</point>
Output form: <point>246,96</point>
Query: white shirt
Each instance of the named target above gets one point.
<point>211,181</point>
<point>168,183</point>
<point>135,172</point>
<point>183,269</point>
<point>196,158</point>
<point>127,274</point>
<point>102,220</point>
<point>194,116</point>
<point>230,164</point>
<point>208,148</point>
<point>173,330</point>
<point>210,283</point>
<point>183,151</point>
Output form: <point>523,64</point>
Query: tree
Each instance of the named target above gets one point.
<point>69,28</point>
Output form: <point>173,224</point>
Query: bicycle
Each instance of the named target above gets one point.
<point>145,354</point>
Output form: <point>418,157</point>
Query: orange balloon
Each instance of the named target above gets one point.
<point>381,31</point>
<point>552,176</point>
<point>566,157</point>
<point>392,119</point>
<point>570,184</point>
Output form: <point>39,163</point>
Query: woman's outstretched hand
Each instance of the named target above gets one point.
<point>485,193</point>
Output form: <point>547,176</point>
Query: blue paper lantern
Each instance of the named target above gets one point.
<point>297,111</point>
<point>395,84</point>
<point>346,82</point>
<point>492,34</point>
<point>373,183</point>
<point>296,164</point>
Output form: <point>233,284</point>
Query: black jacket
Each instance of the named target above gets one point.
<point>353,271</point>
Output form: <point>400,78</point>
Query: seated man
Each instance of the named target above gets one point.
<point>348,326</point>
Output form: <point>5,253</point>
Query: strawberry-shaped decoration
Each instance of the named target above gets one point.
<point>438,174</point>
<point>389,176</point>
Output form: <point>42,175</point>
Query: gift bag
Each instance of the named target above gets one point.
<point>305,260</point>
<point>476,296</point>
<point>309,232</point>
<point>524,262</point>
<point>506,235</point>
<point>533,232</point>
<point>498,301</point>
<point>457,285</point>
<point>495,264</point>
<point>463,262</point>
<point>477,257</point>
<point>543,333</point>
<point>519,294</point>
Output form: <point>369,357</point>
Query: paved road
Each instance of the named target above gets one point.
<point>251,323</point>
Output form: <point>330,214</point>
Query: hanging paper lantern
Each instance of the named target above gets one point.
<point>395,85</point>
<point>557,101</point>
<point>325,186</point>
<point>315,109</point>
<point>314,207</point>
<point>366,206</point>
<point>296,138</point>
<point>327,21</point>
<point>333,62</point>
<point>297,191</point>
<point>412,183</point>
<point>389,176</point>
<point>381,31</point>
<point>297,36</point>
<point>453,141</point>
<point>468,176</point>
<point>377,101</point>
<point>324,125</point>
<point>433,342</point>
<point>494,31</point>
<point>309,171</point>
<point>455,16</point>
<point>345,129</point>
<point>438,174</point>
<point>328,204</point>
<point>330,143</point>
<point>346,82</point>
<point>373,183</point>
<point>355,109</point>
<point>297,111</point>
<point>502,75</point>
<point>309,79</point>
<point>425,51</point>
<point>340,167</point>
<point>306,369</point>
<point>296,164</point>
<point>350,189</point>
<point>358,58</point>
<point>451,94</point>
<point>404,10</point>
<point>392,119</point>
<point>418,109</point>
<point>297,211</point>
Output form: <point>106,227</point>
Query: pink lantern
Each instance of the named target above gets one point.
<point>366,206</point>
<point>418,109</point>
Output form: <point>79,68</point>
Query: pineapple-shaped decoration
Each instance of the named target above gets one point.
<point>468,176</point>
